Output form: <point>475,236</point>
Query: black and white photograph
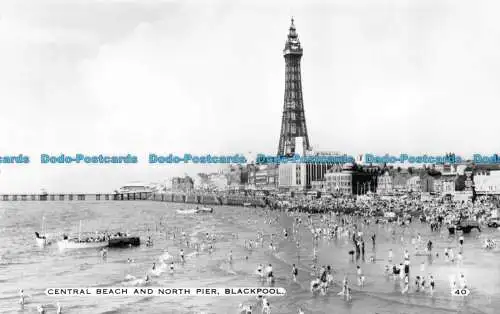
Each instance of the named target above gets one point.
<point>249,156</point>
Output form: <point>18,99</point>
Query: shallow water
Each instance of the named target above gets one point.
<point>24,265</point>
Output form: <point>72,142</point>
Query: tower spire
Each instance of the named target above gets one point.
<point>293,122</point>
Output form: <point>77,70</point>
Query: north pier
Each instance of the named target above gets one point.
<point>188,198</point>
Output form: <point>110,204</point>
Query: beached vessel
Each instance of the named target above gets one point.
<point>187,211</point>
<point>90,242</point>
<point>125,241</point>
<point>206,210</point>
<point>121,241</point>
<point>464,225</point>
<point>195,210</point>
<point>40,240</point>
<point>78,244</point>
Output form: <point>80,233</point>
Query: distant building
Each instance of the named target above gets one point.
<point>292,176</point>
<point>448,183</point>
<point>349,180</point>
<point>315,172</point>
<point>218,181</point>
<point>262,177</point>
<point>437,186</point>
<point>384,184</point>
<point>135,187</point>
<point>310,174</point>
<point>182,184</point>
<point>426,183</point>
<point>339,183</point>
<point>414,184</point>
<point>319,186</point>
<point>487,182</point>
<point>236,174</point>
<point>201,181</point>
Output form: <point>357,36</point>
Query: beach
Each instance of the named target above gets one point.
<point>25,266</point>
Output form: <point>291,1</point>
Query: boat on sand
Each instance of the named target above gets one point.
<point>195,210</point>
<point>187,211</point>
<point>79,244</point>
<point>41,241</point>
<point>206,210</point>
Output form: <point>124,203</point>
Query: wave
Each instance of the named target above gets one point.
<point>159,270</point>
<point>132,281</point>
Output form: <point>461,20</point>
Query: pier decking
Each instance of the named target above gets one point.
<point>189,198</point>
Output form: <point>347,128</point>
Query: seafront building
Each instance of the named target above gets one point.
<point>262,177</point>
<point>182,184</point>
<point>137,187</point>
<point>384,183</point>
<point>349,180</point>
<point>487,182</point>
<point>292,176</point>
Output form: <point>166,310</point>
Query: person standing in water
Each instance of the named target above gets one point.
<point>406,284</point>
<point>266,306</point>
<point>345,289</point>
<point>363,249</point>
<point>295,272</point>
<point>182,255</point>
<point>462,281</point>
<point>431,284</point>
<point>260,271</point>
<point>417,283</point>
<point>21,297</point>
<point>361,278</point>
<point>269,271</point>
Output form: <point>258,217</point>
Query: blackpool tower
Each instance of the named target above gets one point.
<point>293,123</point>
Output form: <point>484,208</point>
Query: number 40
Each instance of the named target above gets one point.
<point>464,292</point>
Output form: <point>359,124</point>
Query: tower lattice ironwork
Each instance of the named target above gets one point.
<point>293,122</point>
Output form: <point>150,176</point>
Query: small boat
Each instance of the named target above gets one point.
<point>187,211</point>
<point>466,226</point>
<point>206,210</point>
<point>124,242</point>
<point>247,204</point>
<point>78,244</point>
<point>40,240</point>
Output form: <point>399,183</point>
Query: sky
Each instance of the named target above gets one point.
<point>165,76</point>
